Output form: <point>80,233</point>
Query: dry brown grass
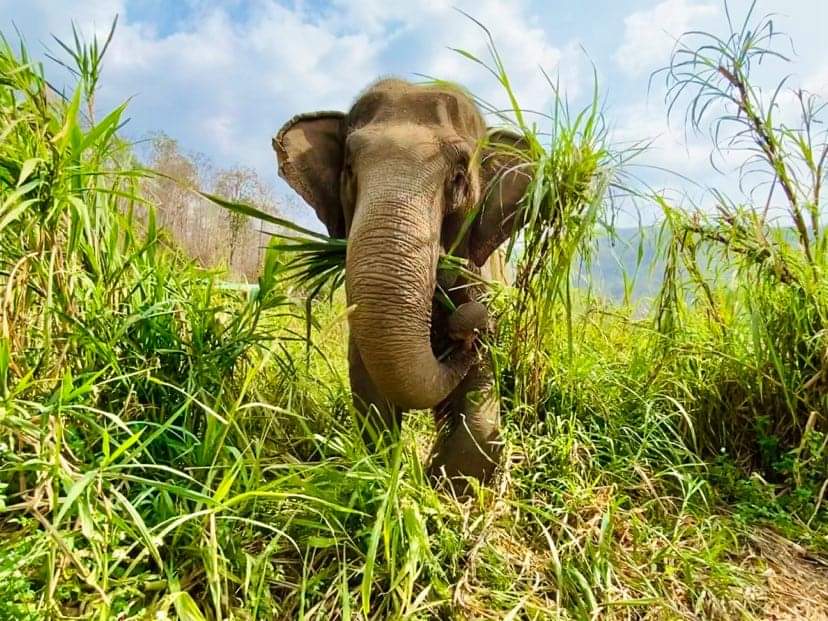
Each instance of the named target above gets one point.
<point>791,583</point>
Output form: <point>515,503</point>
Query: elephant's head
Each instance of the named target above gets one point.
<point>397,175</point>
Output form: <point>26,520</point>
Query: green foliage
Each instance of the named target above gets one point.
<point>17,596</point>
<point>764,315</point>
<point>172,447</point>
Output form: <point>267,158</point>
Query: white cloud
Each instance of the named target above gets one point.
<point>422,40</point>
<point>669,147</point>
<point>224,86</point>
<point>650,35</point>
<point>523,45</point>
<point>38,20</point>
<point>648,38</point>
<point>224,83</point>
<point>817,82</point>
<point>679,162</point>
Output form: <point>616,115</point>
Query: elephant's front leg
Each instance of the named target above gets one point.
<point>468,431</point>
<point>376,417</point>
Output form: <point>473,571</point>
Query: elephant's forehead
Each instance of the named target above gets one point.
<point>395,139</point>
<point>396,101</point>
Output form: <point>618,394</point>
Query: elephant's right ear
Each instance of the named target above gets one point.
<point>309,149</point>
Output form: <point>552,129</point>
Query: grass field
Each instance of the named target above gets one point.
<point>174,449</point>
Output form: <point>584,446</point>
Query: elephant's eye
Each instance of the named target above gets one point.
<point>347,183</point>
<point>459,189</point>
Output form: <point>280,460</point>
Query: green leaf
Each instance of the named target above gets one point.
<point>345,595</point>
<point>11,215</point>
<point>5,363</point>
<point>106,126</point>
<point>62,137</point>
<point>249,210</point>
<point>27,169</point>
<point>146,536</point>
<point>322,542</point>
<point>19,193</point>
<point>125,445</point>
<point>227,482</point>
<point>74,492</point>
<point>185,606</point>
<point>377,531</point>
<point>87,522</point>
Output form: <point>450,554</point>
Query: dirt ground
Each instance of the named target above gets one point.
<point>796,583</point>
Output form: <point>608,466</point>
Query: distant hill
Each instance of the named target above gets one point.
<point>631,254</point>
<point>628,258</point>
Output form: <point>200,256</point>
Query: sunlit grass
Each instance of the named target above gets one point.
<point>170,448</point>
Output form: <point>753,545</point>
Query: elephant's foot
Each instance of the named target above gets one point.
<point>465,454</point>
<point>468,443</point>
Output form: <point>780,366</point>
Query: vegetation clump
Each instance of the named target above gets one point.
<point>171,448</point>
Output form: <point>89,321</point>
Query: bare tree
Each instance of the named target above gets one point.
<point>170,191</point>
<point>211,235</point>
<point>243,185</point>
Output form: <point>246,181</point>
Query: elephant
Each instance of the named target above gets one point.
<point>409,173</point>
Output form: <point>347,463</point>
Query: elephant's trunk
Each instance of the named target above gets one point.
<point>393,248</point>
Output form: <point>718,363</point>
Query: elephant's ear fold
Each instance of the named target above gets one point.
<point>309,149</point>
<point>505,175</point>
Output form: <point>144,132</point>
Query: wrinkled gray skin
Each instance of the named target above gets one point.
<point>397,175</point>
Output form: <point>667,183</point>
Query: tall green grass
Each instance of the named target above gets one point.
<point>765,315</point>
<point>170,448</point>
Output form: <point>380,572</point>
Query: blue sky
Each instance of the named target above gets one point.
<point>221,77</point>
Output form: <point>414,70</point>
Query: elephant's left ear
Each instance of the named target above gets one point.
<point>310,149</point>
<point>505,176</point>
